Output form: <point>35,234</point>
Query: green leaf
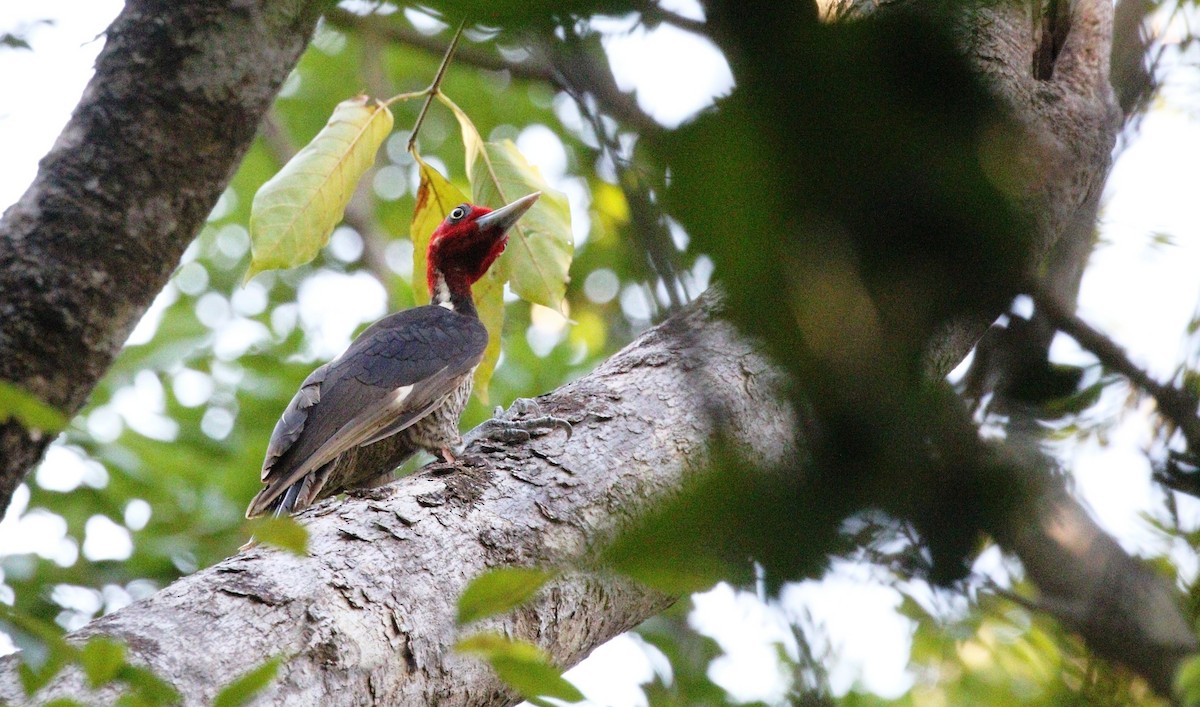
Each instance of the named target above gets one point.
<point>147,688</point>
<point>541,246</point>
<point>58,652</point>
<point>498,591</point>
<point>34,679</point>
<point>244,688</point>
<point>27,409</point>
<point>282,532</point>
<point>722,517</point>
<point>525,667</point>
<point>1187,682</point>
<point>13,41</point>
<point>436,197</point>
<point>294,213</point>
<point>102,659</point>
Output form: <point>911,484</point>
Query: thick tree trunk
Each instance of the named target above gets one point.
<point>368,616</point>
<point>178,94</point>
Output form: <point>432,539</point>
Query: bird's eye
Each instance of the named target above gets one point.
<point>458,213</point>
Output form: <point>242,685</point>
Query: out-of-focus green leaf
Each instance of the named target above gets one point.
<point>146,688</point>
<point>499,590</point>
<point>720,520</point>
<point>58,652</point>
<point>690,654</point>
<point>282,532</point>
<point>524,666</point>
<point>244,688</point>
<point>295,211</point>
<point>33,679</point>
<point>12,41</point>
<point>102,659</point>
<point>436,197</point>
<point>32,413</point>
<point>536,264</point>
<point>1187,682</point>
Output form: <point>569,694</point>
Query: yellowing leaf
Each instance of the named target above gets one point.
<point>488,292</point>
<point>540,246</point>
<point>610,208</point>
<point>295,211</point>
<point>436,197</point>
<point>524,666</point>
<point>498,591</point>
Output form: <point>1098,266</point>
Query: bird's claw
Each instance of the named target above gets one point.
<point>508,431</point>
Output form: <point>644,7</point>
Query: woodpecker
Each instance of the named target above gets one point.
<point>407,377</point>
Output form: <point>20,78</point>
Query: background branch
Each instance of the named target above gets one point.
<point>1177,404</point>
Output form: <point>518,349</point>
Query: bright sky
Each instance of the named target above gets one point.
<point>1142,292</point>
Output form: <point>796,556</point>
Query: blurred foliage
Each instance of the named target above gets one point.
<point>525,667</point>
<point>242,690</point>
<point>843,192</point>
<point>689,654</point>
<point>499,590</point>
<point>999,653</point>
<point>28,410</point>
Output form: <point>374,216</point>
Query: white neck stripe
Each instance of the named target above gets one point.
<point>441,291</point>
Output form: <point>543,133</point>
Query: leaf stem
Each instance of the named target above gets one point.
<point>434,87</point>
<point>404,97</point>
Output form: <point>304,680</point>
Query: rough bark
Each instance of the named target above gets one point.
<point>179,90</point>
<point>368,616</point>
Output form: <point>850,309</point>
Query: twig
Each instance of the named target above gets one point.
<point>543,64</point>
<point>1176,404</point>
<point>435,86</point>
<point>403,34</point>
<point>652,11</point>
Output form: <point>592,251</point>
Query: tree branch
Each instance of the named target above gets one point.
<point>370,612</point>
<point>654,12</point>
<point>1177,404</point>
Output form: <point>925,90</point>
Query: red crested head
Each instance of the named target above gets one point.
<point>465,245</point>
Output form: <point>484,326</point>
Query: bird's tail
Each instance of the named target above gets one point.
<point>295,498</point>
<point>281,505</point>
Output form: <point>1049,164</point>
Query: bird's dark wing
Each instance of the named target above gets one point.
<point>393,374</point>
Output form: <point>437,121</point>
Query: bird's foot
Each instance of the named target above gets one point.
<point>531,423</point>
